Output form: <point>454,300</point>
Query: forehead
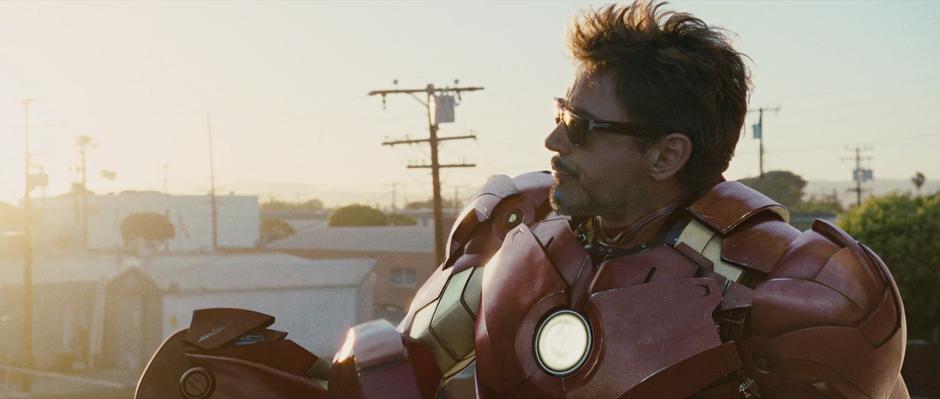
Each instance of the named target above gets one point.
<point>594,94</point>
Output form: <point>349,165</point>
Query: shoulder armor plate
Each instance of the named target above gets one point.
<point>731,203</point>
<point>829,311</point>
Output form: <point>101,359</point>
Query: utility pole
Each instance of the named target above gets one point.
<point>212,198</point>
<point>165,189</point>
<point>27,327</point>
<point>759,132</point>
<point>433,140</point>
<point>859,175</point>
<point>84,142</point>
<point>394,197</point>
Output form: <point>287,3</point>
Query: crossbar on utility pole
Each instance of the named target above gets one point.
<point>430,91</point>
<point>445,165</point>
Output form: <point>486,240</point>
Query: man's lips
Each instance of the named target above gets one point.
<point>560,170</point>
<point>559,175</point>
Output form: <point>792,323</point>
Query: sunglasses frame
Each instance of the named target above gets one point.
<point>565,114</point>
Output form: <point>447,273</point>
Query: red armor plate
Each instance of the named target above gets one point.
<point>647,311</point>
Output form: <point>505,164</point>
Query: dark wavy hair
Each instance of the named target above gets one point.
<point>674,73</point>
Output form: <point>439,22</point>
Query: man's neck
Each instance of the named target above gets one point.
<point>655,200</point>
<point>642,225</point>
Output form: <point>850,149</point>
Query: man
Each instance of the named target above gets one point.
<point>633,271</point>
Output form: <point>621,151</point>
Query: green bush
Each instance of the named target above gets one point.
<point>277,205</point>
<point>357,215</point>
<point>398,219</point>
<point>780,185</point>
<point>905,231</point>
<point>274,229</point>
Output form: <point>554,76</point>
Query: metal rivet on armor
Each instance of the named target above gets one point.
<point>514,217</point>
<point>762,363</point>
<point>197,383</point>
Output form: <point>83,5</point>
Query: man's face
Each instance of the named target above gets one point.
<point>608,174</point>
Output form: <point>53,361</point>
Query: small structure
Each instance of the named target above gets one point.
<point>404,257</point>
<point>68,298</point>
<point>105,310</point>
<point>315,301</point>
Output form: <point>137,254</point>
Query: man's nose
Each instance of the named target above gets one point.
<point>557,140</point>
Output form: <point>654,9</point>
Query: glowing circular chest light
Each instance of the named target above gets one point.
<point>563,342</point>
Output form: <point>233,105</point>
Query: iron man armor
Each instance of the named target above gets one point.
<point>730,302</point>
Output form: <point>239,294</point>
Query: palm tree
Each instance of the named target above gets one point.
<point>919,179</point>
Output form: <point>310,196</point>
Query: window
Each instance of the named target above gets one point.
<point>404,277</point>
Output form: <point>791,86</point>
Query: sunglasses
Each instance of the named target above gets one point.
<point>577,127</point>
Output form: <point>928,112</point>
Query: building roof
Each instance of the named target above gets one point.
<point>185,272</point>
<point>62,268</point>
<point>253,271</point>
<point>415,238</point>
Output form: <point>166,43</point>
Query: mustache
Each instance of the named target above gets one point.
<point>560,166</point>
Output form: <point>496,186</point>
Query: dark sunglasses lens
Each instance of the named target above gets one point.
<point>576,128</point>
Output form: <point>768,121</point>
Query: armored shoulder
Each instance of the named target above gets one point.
<point>828,314</point>
<point>499,206</point>
<point>825,315</point>
<point>443,311</point>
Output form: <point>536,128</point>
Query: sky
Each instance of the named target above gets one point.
<point>286,84</point>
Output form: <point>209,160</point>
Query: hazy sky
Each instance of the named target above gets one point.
<point>286,84</point>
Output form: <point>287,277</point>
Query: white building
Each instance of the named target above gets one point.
<point>105,310</point>
<point>315,301</point>
<point>59,219</point>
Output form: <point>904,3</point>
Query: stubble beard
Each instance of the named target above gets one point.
<point>572,199</point>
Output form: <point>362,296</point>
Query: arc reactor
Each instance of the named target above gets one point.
<point>563,342</point>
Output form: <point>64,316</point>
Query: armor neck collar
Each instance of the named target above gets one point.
<point>642,231</point>
<point>640,235</point>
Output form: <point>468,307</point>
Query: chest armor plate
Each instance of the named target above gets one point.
<point>646,313</point>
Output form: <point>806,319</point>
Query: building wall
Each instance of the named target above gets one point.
<point>132,329</point>
<point>387,294</point>
<point>315,318</point>
<point>62,318</point>
<point>238,219</point>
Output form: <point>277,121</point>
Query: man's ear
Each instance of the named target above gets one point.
<point>669,155</point>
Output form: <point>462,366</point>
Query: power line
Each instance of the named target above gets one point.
<point>876,141</point>
<point>437,113</point>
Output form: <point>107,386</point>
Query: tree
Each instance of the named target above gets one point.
<point>826,203</point>
<point>429,203</point>
<point>905,231</point>
<point>150,227</point>
<point>357,215</point>
<point>277,205</point>
<point>919,179</point>
<point>782,186</point>
<point>398,219</point>
<point>273,229</point>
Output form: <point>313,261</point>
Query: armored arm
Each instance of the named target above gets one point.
<point>436,340</point>
<point>827,322</point>
<point>230,354</point>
